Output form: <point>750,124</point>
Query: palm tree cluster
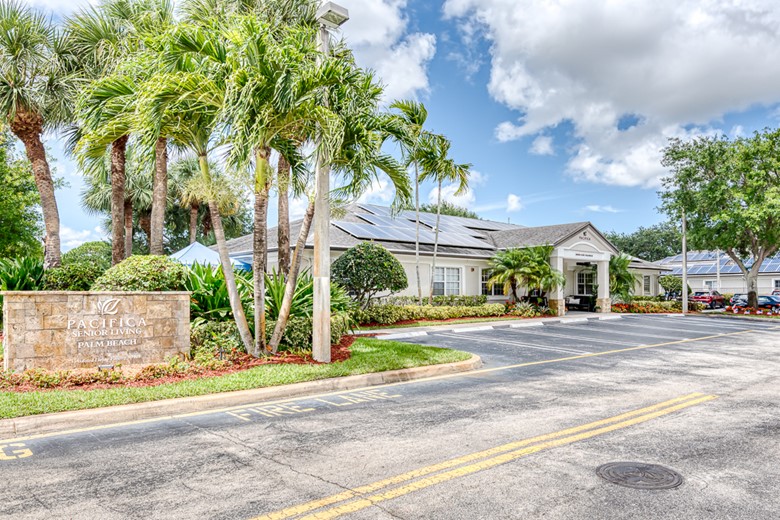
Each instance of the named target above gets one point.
<point>529,267</point>
<point>223,87</point>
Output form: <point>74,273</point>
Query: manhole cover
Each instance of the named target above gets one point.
<point>638,475</point>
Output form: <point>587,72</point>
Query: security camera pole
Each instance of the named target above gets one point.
<point>330,16</point>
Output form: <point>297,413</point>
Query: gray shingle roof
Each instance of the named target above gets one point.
<point>536,236</point>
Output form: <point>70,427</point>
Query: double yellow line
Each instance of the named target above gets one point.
<point>376,492</point>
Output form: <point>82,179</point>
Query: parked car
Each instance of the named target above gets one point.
<point>776,292</point>
<point>711,299</point>
<point>771,303</point>
<point>738,298</point>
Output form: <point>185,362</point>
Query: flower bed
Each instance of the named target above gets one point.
<point>747,311</point>
<point>159,374</point>
<point>651,307</point>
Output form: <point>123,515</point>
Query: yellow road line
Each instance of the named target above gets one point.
<point>359,492</point>
<point>373,387</point>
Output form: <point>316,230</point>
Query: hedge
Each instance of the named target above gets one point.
<point>438,301</point>
<point>649,307</point>
<point>143,273</point>
<point>389,314</point>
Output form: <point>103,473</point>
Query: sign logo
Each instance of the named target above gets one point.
<point>107,307</point>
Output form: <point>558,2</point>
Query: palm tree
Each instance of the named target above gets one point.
<point>508,267</point>
<point>621,280</point>
<point>185,101</point>
<point>412,137</point>
<point>113,43</point>
<point>438,165</point>
<point>36,82</point>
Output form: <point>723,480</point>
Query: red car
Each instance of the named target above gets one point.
<point>711,299</point>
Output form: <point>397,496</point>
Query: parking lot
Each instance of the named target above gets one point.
<point>523,437</point>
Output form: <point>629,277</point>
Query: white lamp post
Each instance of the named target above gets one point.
<point>329,16</point>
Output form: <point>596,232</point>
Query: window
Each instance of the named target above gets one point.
<point>647,285</point>
<point>776,283</point>
<point>446,281</point>
<point>709,284</point>
<point>585,282</point>
<point>498,289</point>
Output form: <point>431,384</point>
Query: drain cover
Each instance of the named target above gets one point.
<point>638,475</point>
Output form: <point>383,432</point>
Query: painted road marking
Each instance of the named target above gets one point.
<point>715,322</point>
<point>645,335</point>
<point>502,341</point>
<point>280,410</point>
<point>389,385</point>
<point>371,494</point>
<point>579,338</point>
<point>668,329</point>
<point>14,451</point>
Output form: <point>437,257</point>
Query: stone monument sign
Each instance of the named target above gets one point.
<point>66,330</point>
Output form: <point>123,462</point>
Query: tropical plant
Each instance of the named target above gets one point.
<point>440,167</point>
<point>94,253</point>
<point>35,94</point>
<point>367,270</point>
<point>621,280</point>
<point>303,298</point>
<point>20,216</point>
<point>210,299</point>
<point>20,274</point>
<point>527,266</point>
<point>73,276</point>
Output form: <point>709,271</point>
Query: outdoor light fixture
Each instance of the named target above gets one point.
<point>332,15</point>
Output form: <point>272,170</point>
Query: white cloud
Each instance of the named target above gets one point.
<point>595,208</point>
<point>298,207</point>
<point>70,238</point>
<point>380,193</point>
<point>513,203</point>
<point>542,145</point>
<point>677,65</point>
<point>465,200</point>
<point>377,32</point>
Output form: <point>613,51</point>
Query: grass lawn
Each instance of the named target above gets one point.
<point>368,355</point>
<point>443,322</point>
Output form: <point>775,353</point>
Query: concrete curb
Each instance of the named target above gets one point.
<point>35,425</point>
<point>510,324</point>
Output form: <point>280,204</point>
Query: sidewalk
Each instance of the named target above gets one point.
<point>413,332</point>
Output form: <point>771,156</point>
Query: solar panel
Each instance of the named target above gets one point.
<point>384,221</point>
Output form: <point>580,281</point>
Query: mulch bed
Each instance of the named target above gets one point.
<point>462,320</point>
<point>77,380</point>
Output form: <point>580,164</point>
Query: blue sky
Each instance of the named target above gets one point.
<point>562,106</point>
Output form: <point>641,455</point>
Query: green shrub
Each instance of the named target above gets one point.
<point>94,253</point>
<point>448,301</point>
<point>672,284</point>
<point>213,337</point>
<point>652,307</point>
<point>72,277</point>
<point>367,270</point>
<point>143,273</point>
<point>298,334</point>
<point>389,314</point>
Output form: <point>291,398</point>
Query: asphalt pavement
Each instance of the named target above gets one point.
<point>522,437</point>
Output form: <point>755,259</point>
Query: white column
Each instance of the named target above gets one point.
<point>603,299</point>
<point>555,298</point>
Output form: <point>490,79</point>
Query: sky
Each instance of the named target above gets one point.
<point>561,106</point>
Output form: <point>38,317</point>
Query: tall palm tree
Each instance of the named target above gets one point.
<point>36,84</point>
<point>412,137</point>
<point>185,101</point>
<point>439,166</point>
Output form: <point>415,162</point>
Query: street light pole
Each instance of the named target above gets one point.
<point>329,16</point>
<point>684,265</point>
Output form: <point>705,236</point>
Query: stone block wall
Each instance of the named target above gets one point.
<point>66,330</point>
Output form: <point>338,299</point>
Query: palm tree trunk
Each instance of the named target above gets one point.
<point>118,179</point>
<point>292,279</point>
<point>128,231</point>
<point>283,176</point>
<point>227,267</point>
<point>159,196</point>
<point>28,127</point>
<point>260,244</point>
<point>436,247</point>
<point>145,221</point>
<point>417,232</point>
<point>194,207</point>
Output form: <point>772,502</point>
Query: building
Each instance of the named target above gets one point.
<point>703,272</point>
<point>465,248</point>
